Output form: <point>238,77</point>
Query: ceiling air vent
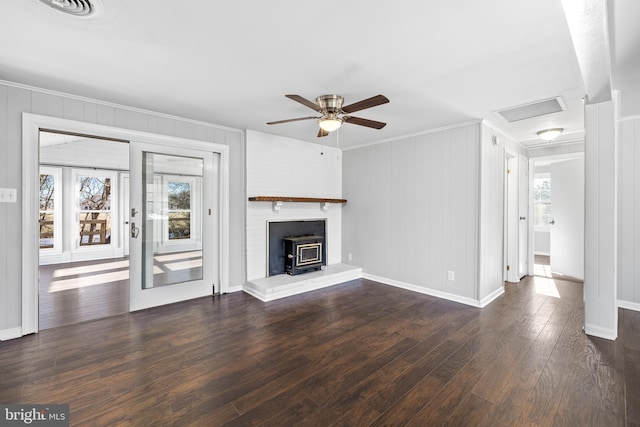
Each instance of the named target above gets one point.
<point>534,109</point>
<point>80,8</point>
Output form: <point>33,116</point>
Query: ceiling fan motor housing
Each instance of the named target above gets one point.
<point>330,103</point>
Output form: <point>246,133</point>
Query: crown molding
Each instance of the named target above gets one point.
<point>411,135</point>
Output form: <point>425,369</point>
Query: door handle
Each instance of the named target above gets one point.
<point>522,218</point>
<point>134,230</point>
<point>552,222</point>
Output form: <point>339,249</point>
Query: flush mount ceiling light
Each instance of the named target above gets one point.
<point>79,8</point>
<point>550,134</point>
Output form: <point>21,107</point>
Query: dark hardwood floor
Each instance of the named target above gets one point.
<point>79,291</point>
<point>356,354</point>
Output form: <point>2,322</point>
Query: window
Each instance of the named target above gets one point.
<point>46,213</point>
<point>95,210</point>
<point>541,200</point>
<point>179,210</point>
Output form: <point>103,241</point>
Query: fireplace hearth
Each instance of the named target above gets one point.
<point>296,247</point>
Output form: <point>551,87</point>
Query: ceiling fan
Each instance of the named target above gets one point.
<point>333,114</point>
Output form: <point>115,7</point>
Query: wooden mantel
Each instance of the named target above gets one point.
<point>295,199</point>
<point>279,200</point>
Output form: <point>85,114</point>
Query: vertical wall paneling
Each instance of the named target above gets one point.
<point>492,171</point>
<point>629,213</point>
<point>601,314</point>
<point>16,100</point>
<point>413,212</point>
<point>4,135</point>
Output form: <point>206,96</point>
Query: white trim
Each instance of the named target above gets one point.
<point>114,105</point>
<point>411,135</point>
<point>542,254</point>
<point>597,331</point>
<point>491,297</point>
<point>31,125</point>
<point>629,305</point>
<point>428,291</point>
<point>11,333</point>
<point>554,144</point>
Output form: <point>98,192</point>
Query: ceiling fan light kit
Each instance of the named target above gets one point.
<point>330,124</point>
<point>550,134</point>
<point>334,114</point>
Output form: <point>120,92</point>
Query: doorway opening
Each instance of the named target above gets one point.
<point>101,224</point>
<point>83,262</point>
<point>557,209</point>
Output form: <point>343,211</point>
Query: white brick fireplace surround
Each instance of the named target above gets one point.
<point>278,166</point>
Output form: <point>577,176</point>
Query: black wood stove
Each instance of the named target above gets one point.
<point>303,254</point>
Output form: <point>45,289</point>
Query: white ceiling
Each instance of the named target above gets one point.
<point>440,63</point>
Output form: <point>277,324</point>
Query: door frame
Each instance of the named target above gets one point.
<point>532,165</point>
<point>31,126</point>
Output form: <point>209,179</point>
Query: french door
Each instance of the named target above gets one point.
<point>173,237</point>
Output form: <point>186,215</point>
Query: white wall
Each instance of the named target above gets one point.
<point>629,213</point>
<point>413,212</point>
<point>492,209</point>
<point>600,240</point>
<point>16,99</point>
<point>279,166</point>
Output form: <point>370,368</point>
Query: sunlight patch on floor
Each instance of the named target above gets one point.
<point>546,286</point>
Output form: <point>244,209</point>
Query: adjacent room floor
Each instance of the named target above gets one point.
<point>358,354</point>
<point>79,291</point>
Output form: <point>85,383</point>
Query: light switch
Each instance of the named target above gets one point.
<point>8,195</point>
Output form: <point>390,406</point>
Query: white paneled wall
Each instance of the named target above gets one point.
<point>16,99</point>
<point>278,166</point>
<point>413,212</point>
<point>492,172</point>
<point>629,213</point>
<point>600,239</point>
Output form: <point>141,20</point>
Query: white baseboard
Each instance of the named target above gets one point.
<point>600,332</point>
<point>629,305</point>
<point>427,291</point>
<point>492,296</point>
<point>9,334</point>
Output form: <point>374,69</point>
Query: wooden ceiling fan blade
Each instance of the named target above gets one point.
<point>364,122</point>
<point>322,132</point>
<point>365,103</point>
<point>291,120</point>
<point>305,102</point>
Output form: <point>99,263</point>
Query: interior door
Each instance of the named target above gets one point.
<point>523,218</point>
<point>173,202</point>
<point>567,225</point>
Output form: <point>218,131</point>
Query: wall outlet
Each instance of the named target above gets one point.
<point>451,275</point>
<point>8,195</point>
<point>349,257</point>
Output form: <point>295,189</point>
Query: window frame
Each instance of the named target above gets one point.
<point>539,176</point>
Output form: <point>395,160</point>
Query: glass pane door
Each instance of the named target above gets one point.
<point>172,217</point>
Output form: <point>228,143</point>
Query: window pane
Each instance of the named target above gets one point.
<point>179,201</point>
<point>46,230</point>
<point>541,201</point>
<point>179,225</point>
<point>179,195</point>
<point>95,228</point>
<point>95,193</point>
<point>46,192</point>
